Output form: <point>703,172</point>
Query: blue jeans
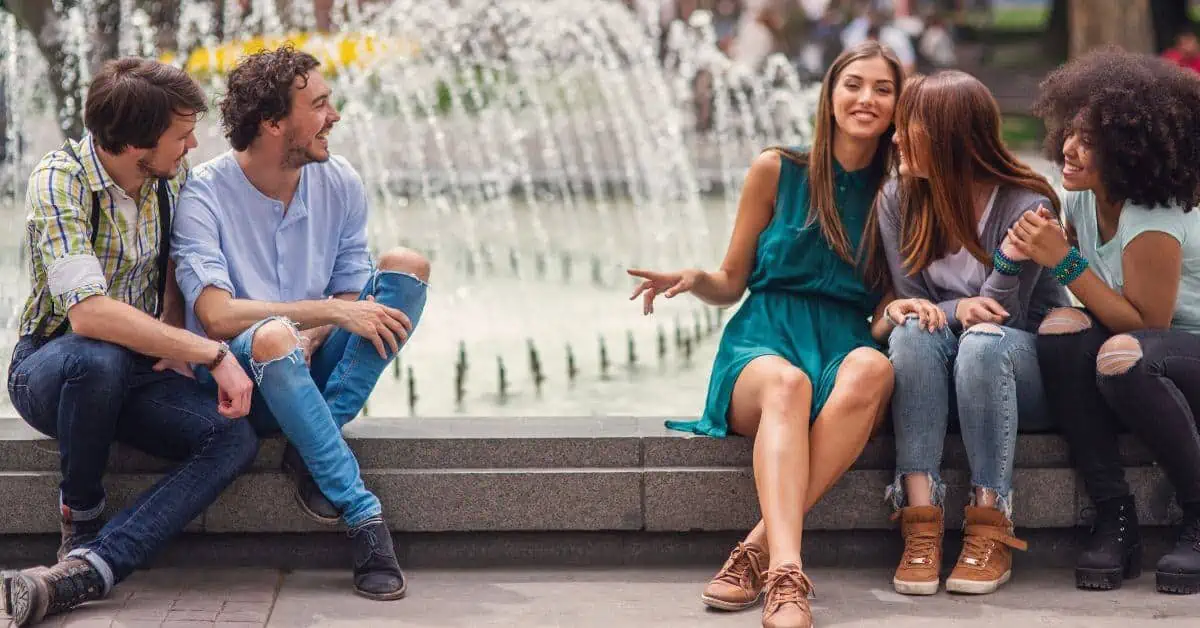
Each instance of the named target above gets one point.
<point>989,377</point>
<point>89,394</point>
<point>310,405</point>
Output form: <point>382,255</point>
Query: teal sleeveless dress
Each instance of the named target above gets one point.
<point>806,304</point>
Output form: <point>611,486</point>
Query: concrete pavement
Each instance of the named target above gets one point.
<point>599,598</point>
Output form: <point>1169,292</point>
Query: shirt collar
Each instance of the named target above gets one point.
<point>98,179</point>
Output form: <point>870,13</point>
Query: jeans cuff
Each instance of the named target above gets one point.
<point>1003,499</point>
<point>894,494</point>
<point>99,564</point>
<point>70,514</point>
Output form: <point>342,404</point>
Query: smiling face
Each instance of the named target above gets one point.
<point>166,158</point>
<point>306,128</point>
<point>1081,166</point>
<point>864,98</point>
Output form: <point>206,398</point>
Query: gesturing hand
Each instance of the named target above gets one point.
<point>1040,237</point>
<point>929,315</point>
<point>977,310</point>
<point>233,388</point>
<point>670,284</point>
<point>179,366</point>
<point>311,340</point>
<point>376,322</point>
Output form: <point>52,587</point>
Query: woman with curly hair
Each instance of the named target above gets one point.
<point>943,225</point>
<point>1126,130</point>
<point>798,369</point>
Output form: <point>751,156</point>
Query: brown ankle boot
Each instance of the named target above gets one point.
<point>38,593</point>
<point>920,567</point>
<point>739,583</point>
<point>787,598</point>
<point>986,559</point>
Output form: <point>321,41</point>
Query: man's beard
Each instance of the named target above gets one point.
<point>148,170</point>
<point>299,155</point>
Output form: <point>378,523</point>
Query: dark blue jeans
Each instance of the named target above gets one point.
<point>89,394</point>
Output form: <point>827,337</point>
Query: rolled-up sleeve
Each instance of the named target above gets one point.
<point>352,266</point>
<point>196,244</point>
<point>62,242</point>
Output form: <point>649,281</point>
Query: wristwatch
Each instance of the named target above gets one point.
<point>222,351</point>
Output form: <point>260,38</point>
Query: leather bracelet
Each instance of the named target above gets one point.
<point>222,351</point>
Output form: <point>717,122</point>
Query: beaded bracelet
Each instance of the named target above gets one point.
<point>1005,265</point>
<point>1071,267</point>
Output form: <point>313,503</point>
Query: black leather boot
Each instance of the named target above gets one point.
<point>1114,551</point>
<point>38,593</point>
<point>1179,570</point>
<point>377,573</point>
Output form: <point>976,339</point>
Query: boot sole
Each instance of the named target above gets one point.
<point>384,597</point>
<point>976,587</point>
<point>731,607</point>
<point>916,588</point>
<point>1177,583</point>
<point>22,600</point>
<point>1110,579</point>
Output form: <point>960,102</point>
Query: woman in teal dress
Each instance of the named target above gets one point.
<point>798,368</point>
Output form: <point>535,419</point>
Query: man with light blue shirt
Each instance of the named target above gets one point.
<point>270,247</point>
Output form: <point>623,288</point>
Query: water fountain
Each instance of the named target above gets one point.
<point>533,149</point>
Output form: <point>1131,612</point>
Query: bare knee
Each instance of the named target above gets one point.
<point>866,369</point>
<point>787,389</point>
<point>1063,321</point>
<point>1118,354</point>
<point>404,260</point>
<point>274,339</point>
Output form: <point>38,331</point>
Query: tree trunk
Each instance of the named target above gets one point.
<point>1058,31</point>
<point>1126,23</point>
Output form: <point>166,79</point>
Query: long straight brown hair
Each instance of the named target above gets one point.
<point>822,206</point>
<point>949,123</point>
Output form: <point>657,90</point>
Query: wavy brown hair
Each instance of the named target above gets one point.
<point>822,207</point>
<point>950,124</point>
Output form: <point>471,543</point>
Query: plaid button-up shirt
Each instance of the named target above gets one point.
<point>65,268</point>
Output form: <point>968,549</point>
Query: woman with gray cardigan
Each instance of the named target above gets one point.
<point>944,225</point>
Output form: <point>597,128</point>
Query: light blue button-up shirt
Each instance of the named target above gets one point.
<point>229,235</point>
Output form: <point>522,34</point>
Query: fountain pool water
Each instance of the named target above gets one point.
<point>533,149</point>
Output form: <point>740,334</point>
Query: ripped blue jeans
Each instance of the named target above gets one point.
<point>988,378</point>
<point>310,405</point>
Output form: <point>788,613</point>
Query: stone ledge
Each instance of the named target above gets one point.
<point>543,475</point>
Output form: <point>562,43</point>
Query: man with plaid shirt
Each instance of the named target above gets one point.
<point>103,356</point>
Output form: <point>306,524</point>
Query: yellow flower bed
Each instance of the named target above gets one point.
<point>336,51</point>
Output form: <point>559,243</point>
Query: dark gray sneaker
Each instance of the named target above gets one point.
<point>377,574</point>
<point>310,498</point>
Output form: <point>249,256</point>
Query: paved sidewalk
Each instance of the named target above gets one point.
<point>598,598</point>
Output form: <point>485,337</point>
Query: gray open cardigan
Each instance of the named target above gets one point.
<point>1027,297</point>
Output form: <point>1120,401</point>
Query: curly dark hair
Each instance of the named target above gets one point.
<point>1143,117</point>
<point>260,90</point>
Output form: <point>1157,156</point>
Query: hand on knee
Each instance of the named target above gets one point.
<point>1118,355</point>
<point>1063,321</point>
<point>274,339</point>
<point>408,261</point>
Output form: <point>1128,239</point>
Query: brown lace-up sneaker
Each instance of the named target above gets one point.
<point>986,560</point>
<point>787,598</point>
<point>739,583</point>
<point>38,593</point>
<point>920,567</point>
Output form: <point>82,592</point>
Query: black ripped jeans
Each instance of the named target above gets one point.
<point>1155,399</point>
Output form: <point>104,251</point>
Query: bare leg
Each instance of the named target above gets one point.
<point>856,409</point>
<point>771,401</point>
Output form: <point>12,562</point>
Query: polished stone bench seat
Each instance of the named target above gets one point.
<point>612,474</point>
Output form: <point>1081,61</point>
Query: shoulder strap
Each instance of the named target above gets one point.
<point>93,223</point>
<point>164,243</point>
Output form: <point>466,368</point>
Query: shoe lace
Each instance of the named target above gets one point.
<point>919,547</point>
<point>72,583</point>
<point>1108,520</point>
<point>787,584</point>
<point>979,541</point>
<point>743,568</point>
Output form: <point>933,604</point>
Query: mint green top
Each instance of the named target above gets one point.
<point>1104,258</point>
<point>806,304</point>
